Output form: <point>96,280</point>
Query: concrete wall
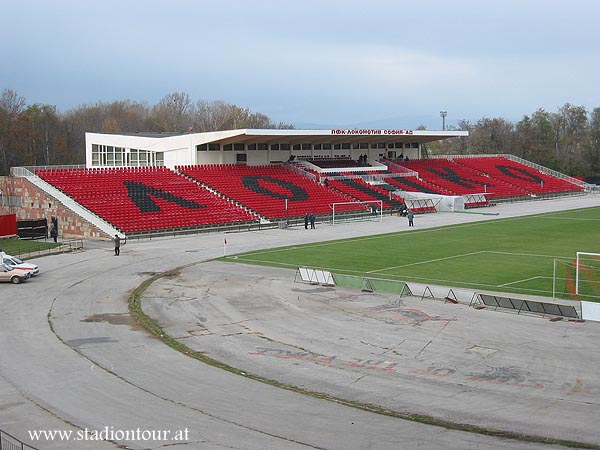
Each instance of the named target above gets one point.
<point>37,204</point>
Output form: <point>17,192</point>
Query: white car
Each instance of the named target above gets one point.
<point>16,263</point>
<point>15,276</point>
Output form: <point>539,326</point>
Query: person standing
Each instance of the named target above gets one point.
<point>410,217</point>
<point>117,245</point>
<point>54,233</point>
<point>312,221</point>
<point>54,228</point>
<point>306,221</point>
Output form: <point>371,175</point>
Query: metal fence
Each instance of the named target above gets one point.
<point>8,442</point>
<point>368,284</point>
<point>530,306</point>
<point>64,247</point>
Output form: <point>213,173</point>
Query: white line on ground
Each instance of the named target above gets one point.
<point>520,281</point>
<point>426,262</point>
<point>571,218</point>
<point>525,254</point>
<point>407,279</point>
<point>375,237</point>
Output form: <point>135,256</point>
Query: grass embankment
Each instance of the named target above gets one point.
<point>25,247</point>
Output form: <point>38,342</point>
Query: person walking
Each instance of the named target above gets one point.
<point>410,217</point>
<point>117,245</point>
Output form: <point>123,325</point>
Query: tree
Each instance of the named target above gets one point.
<point>492,136</point>
<point>567,140</point>
<point>218,115</point>
<point>570,132</point>
<point>173,113</point>
<point>461,145</point>
<point>11,106</point>
<point>212,116</point>
<point>42,133</point>
<point>594,147</point>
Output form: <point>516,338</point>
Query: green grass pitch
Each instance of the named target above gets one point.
<point>25,247</point>
<point>513,255</point>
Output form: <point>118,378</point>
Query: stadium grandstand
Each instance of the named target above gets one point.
<point>145,183</point>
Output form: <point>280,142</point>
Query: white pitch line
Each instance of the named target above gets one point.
<point>277,264</point>
<point>426,262</point>
<point>525,254</point>
<point>436,229</point>
<point>572,218</point>
<point>520,281</point>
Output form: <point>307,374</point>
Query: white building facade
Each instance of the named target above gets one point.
<point>254,146</point>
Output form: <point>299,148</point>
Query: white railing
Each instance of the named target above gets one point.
<point>547,171</point>
<point>68,202</point>
<point>401,170</point>
<point>294,168</point>
<point>64,166</point>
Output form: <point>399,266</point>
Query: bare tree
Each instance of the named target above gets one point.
<point>593,156</point>
<point>174,112</point>
<point>492,136</point>
<point>11,106</point>
<point>567,140</point>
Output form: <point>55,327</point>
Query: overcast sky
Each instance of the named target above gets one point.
<point>316,62</point>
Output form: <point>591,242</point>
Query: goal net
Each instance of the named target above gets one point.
<point>358,210</point>
<point>587,274</point>
<point>578,278</point>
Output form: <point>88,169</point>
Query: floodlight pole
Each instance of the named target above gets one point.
<point>443,114</point>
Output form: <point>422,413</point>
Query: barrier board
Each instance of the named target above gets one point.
<point>315,276</point>
<point>590,311</point>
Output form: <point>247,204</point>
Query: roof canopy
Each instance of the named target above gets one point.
<point>333,136</point>
<point>253,136</point>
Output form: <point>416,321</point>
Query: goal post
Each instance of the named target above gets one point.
<point>577,278</point>
<point>367,209</point>
<point>587,268</point>
<point>561,276</point>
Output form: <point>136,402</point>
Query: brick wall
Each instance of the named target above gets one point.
<point>37,204</point>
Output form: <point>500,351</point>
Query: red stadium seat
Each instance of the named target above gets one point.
<point>144,199</point>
